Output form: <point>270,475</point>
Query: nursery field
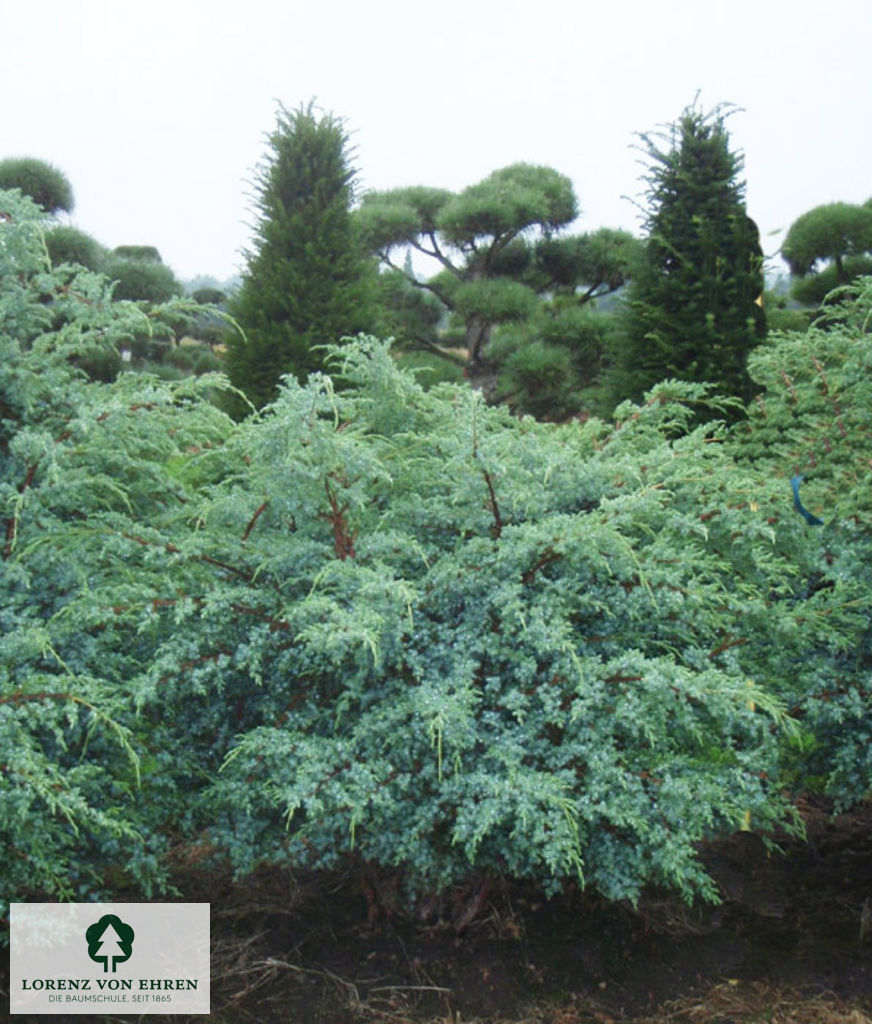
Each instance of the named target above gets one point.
<point>451,714</point>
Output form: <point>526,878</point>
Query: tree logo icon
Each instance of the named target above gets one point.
<point>110,941</point>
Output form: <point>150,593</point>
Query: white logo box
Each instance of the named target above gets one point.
<point>119,958</point>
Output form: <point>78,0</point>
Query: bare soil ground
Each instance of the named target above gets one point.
<point>790,944</point>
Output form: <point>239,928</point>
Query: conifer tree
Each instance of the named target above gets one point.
<point>499,250</point>
<point>67,244</point>
<point>693,310</point>
<point>307,283</point>
<point>828,246</point>
<point>44,183</point>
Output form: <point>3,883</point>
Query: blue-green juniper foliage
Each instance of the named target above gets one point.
<point>381,623</point>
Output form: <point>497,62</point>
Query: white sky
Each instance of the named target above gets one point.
<point>157,110</point>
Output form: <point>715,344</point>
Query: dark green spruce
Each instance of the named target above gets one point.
<point>692,311</point>
<point>307,282</point>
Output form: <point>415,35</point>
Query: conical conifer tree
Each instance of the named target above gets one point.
<point>307,282</point>
<point>693,310</point>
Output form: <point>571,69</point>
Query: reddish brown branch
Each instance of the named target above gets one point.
<point>548,556</point>
<point>821,374</point>
<point>788,383</point>
<point>727,644</point>
<point>194,662</point>
<point>275,624</point>
<point>497,528</point>
<point>343,536</point>
<point>22,698</point>
<point>253,520</point>
<point>474,907</point>
<point>173,550</point>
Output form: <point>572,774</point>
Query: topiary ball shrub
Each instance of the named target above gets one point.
<point>66,244</point>
<point>141,280</point>
<point>143,253</point>
<point>45,184</point>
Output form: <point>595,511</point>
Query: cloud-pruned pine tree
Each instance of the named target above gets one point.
<point>827,247</point>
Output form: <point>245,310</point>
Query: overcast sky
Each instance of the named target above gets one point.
<point>157,110</point>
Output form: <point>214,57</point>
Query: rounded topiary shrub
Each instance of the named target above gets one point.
<point>145,253</point>
<point>209,296</point>
<point>66,244</point>
<point>45,184</point>
<point>141,280</point>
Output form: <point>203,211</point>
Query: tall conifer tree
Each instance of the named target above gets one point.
<point>307,281</point>
<point>693,309</point>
